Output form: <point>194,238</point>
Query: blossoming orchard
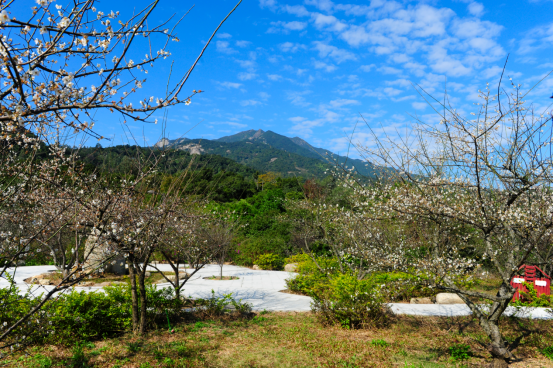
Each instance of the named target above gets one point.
<point>453,201</point>
<point>60,65</point>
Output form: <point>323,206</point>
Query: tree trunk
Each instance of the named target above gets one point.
<point>500,352</point>
<point>490,323</point>
<point>134,296</point>
<point>143,304</point>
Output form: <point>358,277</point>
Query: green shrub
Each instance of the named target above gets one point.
<point>379,343</point>
<point>96,315</point>
<point>350,302</point>
<point>548,352</point>
<point>79,359</point>
<point>460,352</point>
<point>269,261</point>
<point>298,258</point>
<point>402,286</point>
<point>87,316</point>
<point>530,298</point>
<point>216,306</point>
<point>310,277</point>
<point>248,250</point>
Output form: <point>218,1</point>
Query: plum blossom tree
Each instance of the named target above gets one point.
<point>463,192</point>
<point>59,65</point>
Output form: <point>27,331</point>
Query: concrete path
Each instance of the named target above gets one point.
<point>261,290</point>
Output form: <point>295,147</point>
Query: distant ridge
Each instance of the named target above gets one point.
<point>301,147</point>
<point>270,151</point>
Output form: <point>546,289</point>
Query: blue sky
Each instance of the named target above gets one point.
<point>311,68</point>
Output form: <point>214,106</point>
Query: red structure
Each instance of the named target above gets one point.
<point>531,275</point>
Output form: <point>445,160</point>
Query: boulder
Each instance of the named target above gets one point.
<point>448,298</point>
<point>147,274</point>
<point>291,267</point>
<point>256,267</point>
<point>98,252</point>
<point>421,301</point>
<point>44,282</point>
<point>85,284</point>
<point>182,276</point>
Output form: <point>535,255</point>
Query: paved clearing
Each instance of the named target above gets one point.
<point>262,290</point>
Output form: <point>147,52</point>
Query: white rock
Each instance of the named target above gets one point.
<point>256,267</point>
<point>291,267</point>
<point>448,298</point>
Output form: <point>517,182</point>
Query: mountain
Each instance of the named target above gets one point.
<point>257,155</point>
<point>299,146</point>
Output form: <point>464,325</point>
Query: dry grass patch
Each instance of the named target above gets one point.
<point>297,340</point>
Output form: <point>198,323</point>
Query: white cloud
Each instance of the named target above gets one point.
<point>224,35</point>
<point>237,125</point>
<point>298,10</point>
<point>324,5</point>
<point>537,38</point>
<point>230,84</point>
<point>367,68</point>
<point>264,95</point>
<point>356,10</point>
<point>223,46</point>
<point>243,43</point>
<point>342,102</point>
<point>250,103</point>
<point>392,91</point>
<point>295,25</point>
<point>476,9</point>
<point>291,47</point>
<point>399,82</point>
<point>274,77</point>
<point>325,66</point>
<point>250,65</point>
<point>339,55</point>
<point>243,76</point>
<point>355,36</point>
<point>297,98</point>
<point>270,4</point>
<point>389,70</point>
<point>286,27</point>
<point>469,28</point>
<point>419,105</point>
<point>327,22</point>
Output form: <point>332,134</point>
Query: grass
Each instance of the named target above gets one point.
<point>298,340</point>
<point>219,278</point>
<point>154,277</point>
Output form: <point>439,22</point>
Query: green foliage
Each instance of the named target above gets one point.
<point>298,258</point>
<point>249,249</point>
<point>379,343</point>
<point>96,315</point>
<point>87,316</point>
<point>350,302</point>
<point>41,361</point>
<point>269,261</point>
<point>530,298</point>
<point>133,347</point>
<point>311,278</point>
<point>81,316</point>
<point>218,305</point>
<point>258,320</point>
<point>548,352</point>
<point>79,359</point>
<point>460,352</point>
